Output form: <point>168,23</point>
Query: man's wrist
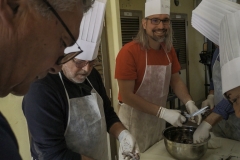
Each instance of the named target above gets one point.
<point>159,111</point>
<point>211,92</point>
<point>210,96</point>
<point>213,118</point>
<point>122,134</point>
<point>207,125</point>
<point>189,102</point>
<point>162,112</point>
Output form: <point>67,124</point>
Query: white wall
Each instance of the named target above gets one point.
<point>195,43</point>
<point>11,108</point>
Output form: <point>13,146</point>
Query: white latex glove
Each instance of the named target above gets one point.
<point>191,108</point>
<point>202,132</point>
<point>172,116</point>
<point>209,101</point>
<point>128,149</point>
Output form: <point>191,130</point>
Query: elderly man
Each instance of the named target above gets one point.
<point>33,35</point>
<point>145,68</point>
<point>69,114</point>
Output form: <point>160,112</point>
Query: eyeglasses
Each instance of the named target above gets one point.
<point>82,63</point>
<point>157,21</point>
<point>65,58</point>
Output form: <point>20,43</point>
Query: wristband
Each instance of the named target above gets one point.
<point>159,110</point>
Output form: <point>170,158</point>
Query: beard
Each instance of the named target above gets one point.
<point>159,38</point>
<point>80,76</point>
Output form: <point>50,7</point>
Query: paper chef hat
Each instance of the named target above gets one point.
<point>90,32</point>
<point>206,18</point>
<point>157,7</point>
<point>229,47</point>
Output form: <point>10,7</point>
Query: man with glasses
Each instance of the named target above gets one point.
<point>145,68</point>
<point>69,113</point>
<point>33,39</point>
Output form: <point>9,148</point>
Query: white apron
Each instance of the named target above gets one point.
<point>146,128</point>
<point>86,131</point>
<point>225,128</point>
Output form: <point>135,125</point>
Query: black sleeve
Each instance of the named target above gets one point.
<point>45,111</point>
<point>8,142</point>
<point>96,80</point>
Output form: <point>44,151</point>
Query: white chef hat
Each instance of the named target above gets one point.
<point>157,7</point>
<point>229,40</point>
<point>90,32</point>
<point>206,18</point>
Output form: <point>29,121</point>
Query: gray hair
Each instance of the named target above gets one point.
<point>60,5</point>
<point>142,39</point>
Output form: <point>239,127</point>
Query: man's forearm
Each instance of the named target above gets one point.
<point>213,118</point>
<point>116,129</point>
<point>140,104</point>
<point>126,88</point>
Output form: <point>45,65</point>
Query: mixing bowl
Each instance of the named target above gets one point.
<point>179,143</point>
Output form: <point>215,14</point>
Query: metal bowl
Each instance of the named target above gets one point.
<point>179,143</point>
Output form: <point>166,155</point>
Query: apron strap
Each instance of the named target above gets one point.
<point>60,75</point>
<point>166,54</point>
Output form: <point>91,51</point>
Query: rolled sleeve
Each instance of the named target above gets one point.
<point>224,108</point>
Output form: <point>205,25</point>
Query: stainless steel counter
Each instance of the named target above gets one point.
<point>230,150</point>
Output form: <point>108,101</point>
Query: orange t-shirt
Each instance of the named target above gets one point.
<point>131,62</point>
